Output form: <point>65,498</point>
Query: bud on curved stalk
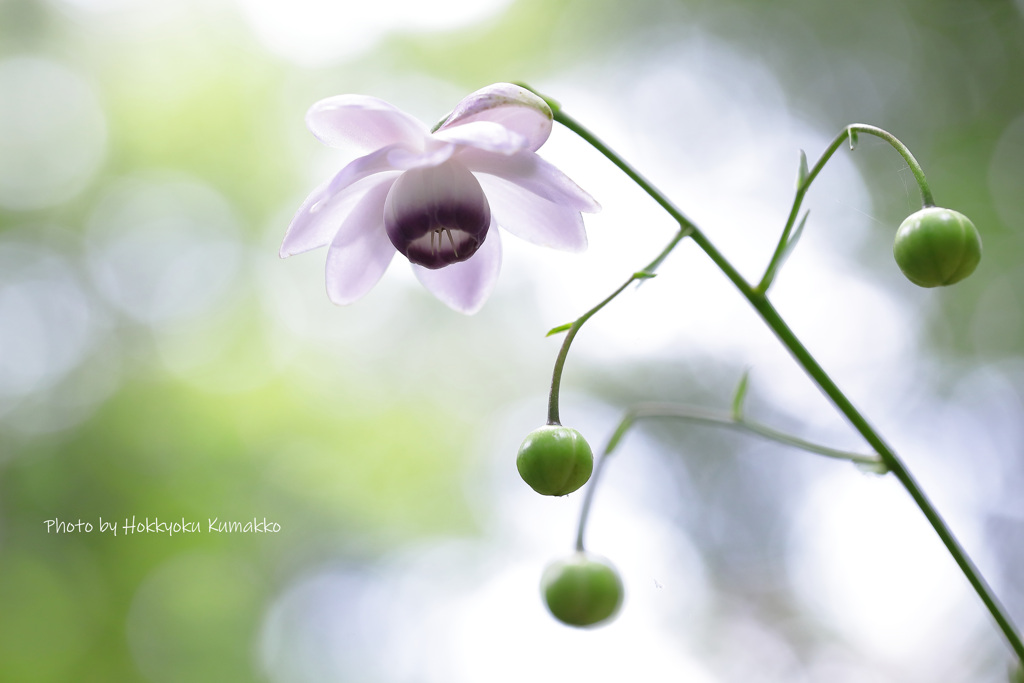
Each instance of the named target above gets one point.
<point>582,589</point>
<point>936,247</point>
<point>555,460</point>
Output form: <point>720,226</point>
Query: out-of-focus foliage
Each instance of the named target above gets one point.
<point>157,360</point>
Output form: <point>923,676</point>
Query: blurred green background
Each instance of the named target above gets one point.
<point>157,360</point>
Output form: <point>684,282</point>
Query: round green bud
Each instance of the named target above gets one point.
<point>936,247</point>
<point>582,589</point>
<point>555,460</point>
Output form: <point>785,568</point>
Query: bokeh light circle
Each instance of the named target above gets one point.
<point>52,133</point>
<point>164,249</point>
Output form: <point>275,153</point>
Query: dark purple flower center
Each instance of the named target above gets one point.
<point>437,216</point>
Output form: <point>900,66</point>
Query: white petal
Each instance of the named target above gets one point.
<point>485,135</point>
<point>465,286</point>
<point>435,153</point>
<point>361,250</point>
<point>533,218</point>
<point>392,158</point>
<point>364,123</point>
<point>316,221</point>
<point>320,217</point>
<point>515,108</point>
<point>530,172</point>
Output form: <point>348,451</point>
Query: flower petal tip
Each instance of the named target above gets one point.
<point>466,286</point>
<point>340,301</point>
<point>362,121</point>
<point>513,107</point>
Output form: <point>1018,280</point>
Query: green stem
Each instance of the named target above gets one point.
<point>563,353</point>
<point>760,303</point>
<point>689,413</point>
<point>805,183</point>
<point>576,127</point>
<point>692,414</point>
<point>588,496</point>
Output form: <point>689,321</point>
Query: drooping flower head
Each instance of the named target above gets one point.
<point>436,197</point>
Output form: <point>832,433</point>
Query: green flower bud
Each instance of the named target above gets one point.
<point>582,589</point>
<point>936,247</point>
<point>555,460</point>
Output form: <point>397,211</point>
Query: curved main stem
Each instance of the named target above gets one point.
<point>759,301</point>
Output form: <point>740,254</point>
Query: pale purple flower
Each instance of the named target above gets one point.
<point>436,198</point>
